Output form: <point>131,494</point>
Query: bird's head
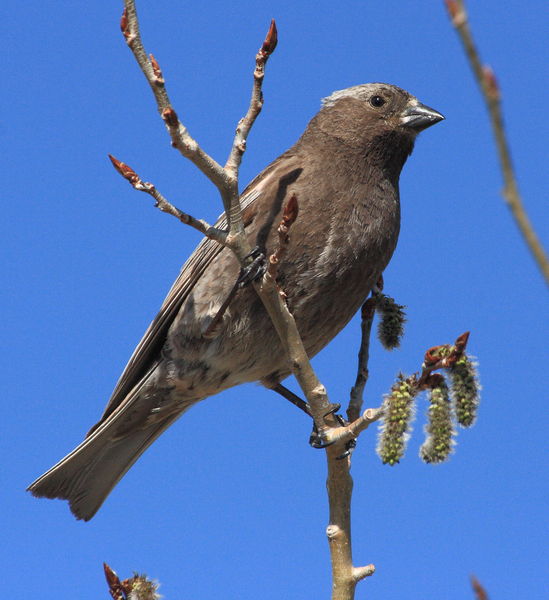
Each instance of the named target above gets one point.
<point>380,106</point>
<point>377,120</point>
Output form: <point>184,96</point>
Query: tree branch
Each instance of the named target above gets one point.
<point>492,96</point>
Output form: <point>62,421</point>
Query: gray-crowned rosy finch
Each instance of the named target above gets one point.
<point>344,171</point>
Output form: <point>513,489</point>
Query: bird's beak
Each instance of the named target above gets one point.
<point>418,117</point>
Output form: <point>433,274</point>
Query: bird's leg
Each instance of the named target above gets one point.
<point>293,398</point>
<point>248,274</point>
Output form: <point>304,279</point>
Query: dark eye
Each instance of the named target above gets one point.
<point>377,101</point>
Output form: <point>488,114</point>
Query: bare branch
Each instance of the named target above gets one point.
<point>491,93</point>
<point>284,323</point>
<point>231,200</point>
<point>256,102</point>
<point>128,173</point>
<point>181,138</point>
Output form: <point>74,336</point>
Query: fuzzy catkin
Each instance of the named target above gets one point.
<point>464,390</point>
<point>398,408</point>
<point>440,428</point>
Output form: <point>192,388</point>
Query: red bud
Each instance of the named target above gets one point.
<point>291,210</point>
<point>124,23</point>
<point>125,170</point>
<point>115,587</point>
<point>271,40</point>
<point>156,68</point>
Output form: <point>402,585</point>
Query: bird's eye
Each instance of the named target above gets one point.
<point>377,101</point>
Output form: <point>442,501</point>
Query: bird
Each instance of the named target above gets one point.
<point>344,171</point>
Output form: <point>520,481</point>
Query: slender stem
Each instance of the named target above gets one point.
<point>208,230</point>
<point>357,391</point>
<point>491,94</point>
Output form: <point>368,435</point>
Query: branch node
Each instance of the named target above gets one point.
<point>159,78</point>
<point>360,573</point>
<point>333,532</point>
<point>170,117</point>
<point>457,12</point>
<point>124,25</point>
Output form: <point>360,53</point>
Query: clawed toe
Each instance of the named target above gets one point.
<point>254,270</point>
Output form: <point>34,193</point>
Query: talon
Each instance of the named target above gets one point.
<point>315,440</point>
<point>349,447</point>
<point>342,422</point>
<point>333,409</point>
<point>254,270</point>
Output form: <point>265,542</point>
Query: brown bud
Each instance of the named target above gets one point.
<point>125,170</point>
<point>480,592</point>
<point>291,210</point>
<point>490,82</point>
<point>461,342</point>
<point>452,7</point>
<point>170,117</point>
<point>456,11</point>
<point>271,40</point>
<point>124,23</point>
<point>116,588</point>
<point>156,69</point>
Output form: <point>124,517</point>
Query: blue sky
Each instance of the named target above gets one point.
<point>230,502</point>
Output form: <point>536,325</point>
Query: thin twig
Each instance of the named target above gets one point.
<point>291,210</point>
<point>232,200</point>
<point>480,592</point>
<point>256,102</point>
<point>208,230</point>
<point>492,96</point>
<point>181,138</point>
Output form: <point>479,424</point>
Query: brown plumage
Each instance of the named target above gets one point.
<point>344,170</point>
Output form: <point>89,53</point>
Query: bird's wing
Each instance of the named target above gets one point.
<point>149,347</point>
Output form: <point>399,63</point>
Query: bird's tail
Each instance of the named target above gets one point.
<point>86,476</point>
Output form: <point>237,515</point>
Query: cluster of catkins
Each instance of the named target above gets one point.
<point>453,397</point>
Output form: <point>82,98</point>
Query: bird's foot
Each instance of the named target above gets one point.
<point>316,439</point>
<point>254,270</point>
